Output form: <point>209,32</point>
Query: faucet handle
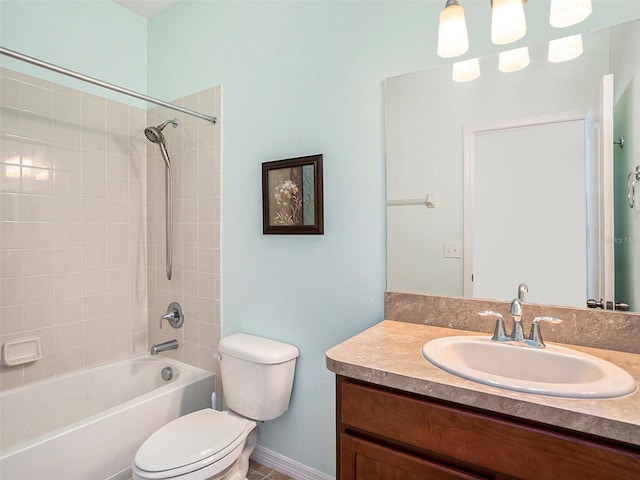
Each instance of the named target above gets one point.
<point>535,336</point>
<point>499,332</point>
<point>175,315</point>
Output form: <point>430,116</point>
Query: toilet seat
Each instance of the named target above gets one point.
<point>192,442</point>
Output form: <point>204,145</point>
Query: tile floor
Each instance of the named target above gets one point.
<point>260,472</point>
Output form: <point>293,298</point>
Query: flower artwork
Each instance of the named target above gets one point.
<point>288,203</point>
<point>292,195</point>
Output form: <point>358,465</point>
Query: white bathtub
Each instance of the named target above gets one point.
<point>87,425</point>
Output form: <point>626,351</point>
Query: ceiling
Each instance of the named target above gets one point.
<point>146,8</point>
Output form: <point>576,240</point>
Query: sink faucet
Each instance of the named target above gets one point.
<point>163,347</point>
<point>517,332</point>
<point>517,336</point>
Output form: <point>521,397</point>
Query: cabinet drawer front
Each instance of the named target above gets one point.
<point>493,443</point>
<point>363,460</point>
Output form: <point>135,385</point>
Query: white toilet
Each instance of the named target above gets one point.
<point>257,376</point>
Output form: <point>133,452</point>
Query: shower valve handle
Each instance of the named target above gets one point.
<point>175,315</point>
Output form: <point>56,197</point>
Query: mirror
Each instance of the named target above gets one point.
<point>426,116</point>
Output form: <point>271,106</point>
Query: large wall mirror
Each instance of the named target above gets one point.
<point>490,182</point>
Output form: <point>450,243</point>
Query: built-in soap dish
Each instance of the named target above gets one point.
<point>19,352</point>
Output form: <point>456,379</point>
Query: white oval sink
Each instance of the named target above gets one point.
<point>555,370</point>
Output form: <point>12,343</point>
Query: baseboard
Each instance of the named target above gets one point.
<point>285,465</point>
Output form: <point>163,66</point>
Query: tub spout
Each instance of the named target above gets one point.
<point>162,347</point>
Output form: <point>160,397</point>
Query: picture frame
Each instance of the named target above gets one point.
<point>292,196</point>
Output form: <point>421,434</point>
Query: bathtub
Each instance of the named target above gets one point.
<point>87,425</point>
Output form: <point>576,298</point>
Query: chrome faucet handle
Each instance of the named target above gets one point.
<point>535,336</point>
<point>499,332</point>
<point>175,315</point>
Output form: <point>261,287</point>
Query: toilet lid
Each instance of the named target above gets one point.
<point>203,435</point>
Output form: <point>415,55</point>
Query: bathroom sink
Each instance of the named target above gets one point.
<point>555,371</point>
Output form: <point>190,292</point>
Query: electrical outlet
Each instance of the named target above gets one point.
<point>452,249</point>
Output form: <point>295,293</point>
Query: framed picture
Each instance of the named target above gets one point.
<point>292,196</point>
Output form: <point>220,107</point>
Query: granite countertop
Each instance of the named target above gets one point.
<point>389,354</point>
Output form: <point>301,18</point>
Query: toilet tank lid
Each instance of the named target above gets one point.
<point>257,349</point>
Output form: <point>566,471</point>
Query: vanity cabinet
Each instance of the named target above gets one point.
<point>386,434</point>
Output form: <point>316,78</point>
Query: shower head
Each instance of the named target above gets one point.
<point>154,134</point>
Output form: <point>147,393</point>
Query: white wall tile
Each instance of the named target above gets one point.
<point>82,227</point>
<point>67,234</point>
<point>67,184</point>
<point>66,107</point>
<point>37,235</point>
<point>38,315</point>
<point>68,285</point>
<point>69,335</point>
<point>10,92</point>
<point>66,134</point>
<point>67,310</point>
<point>10,121</point>
<point>10,263</point>
<point>38,262</point>
<point>10,206</point>
<point>54,243</point>
<point>11,319</point>
<point>67,260</point>
<point>36,127</point>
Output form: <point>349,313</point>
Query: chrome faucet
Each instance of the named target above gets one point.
<point>163,347</point>
<point>517,336</point>
<point>517,332</point>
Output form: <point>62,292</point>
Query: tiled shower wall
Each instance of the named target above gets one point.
<point>73,229</point>
<point>194,148</point>
<point>72,207</point>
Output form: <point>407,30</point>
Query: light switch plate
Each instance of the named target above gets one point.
<point>453,249</point>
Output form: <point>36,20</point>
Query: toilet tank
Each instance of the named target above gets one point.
<point>257,375</point>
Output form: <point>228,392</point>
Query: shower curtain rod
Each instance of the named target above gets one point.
<point>100,83</point>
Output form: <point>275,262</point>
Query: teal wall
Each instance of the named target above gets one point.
<point>95,37</point>
<point>302,78</point>
<point>299,77</point>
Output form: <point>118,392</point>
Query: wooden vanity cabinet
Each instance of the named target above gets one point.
<point>385,434</point>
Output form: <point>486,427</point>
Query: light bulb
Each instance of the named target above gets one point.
<point>565,49</point>
<point>453,39</point>
<point>466,70</point>
<point>508,23</point>
<point>564,13</point>
<point>513,60</point>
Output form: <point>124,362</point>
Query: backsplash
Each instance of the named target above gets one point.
<point>591,328</point>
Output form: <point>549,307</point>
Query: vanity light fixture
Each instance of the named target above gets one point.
<point>508,22</point>
<point>466,70</point>
<point>564,13</point>
<point>565,49</point>
<point>513,60</point>
<point>453,39</point>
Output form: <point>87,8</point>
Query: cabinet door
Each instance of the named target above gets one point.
<point>364,460</point>
<point>481,442</point>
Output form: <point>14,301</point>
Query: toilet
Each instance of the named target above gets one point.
<point>257,377</point>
